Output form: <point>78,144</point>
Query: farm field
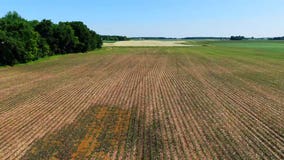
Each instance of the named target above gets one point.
<point>147,43</point>
<point>214,100</point>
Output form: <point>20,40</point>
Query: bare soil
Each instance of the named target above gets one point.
<point>170,103</point>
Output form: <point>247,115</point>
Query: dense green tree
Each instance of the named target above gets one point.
<point>64,38</point>
<point>11,50</point>
<point>44,48</point>
<point>22,41</point>
<point>84,36</point>
<point>46,28</point>
<point>96,40</point>
<point>18,30</point>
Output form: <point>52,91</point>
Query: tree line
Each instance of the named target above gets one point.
<point>114,38</point>
<point>277,38</point>
<point>22,41</point>
<point>237,38</point>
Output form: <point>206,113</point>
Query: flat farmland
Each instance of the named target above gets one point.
<point>211,101</point>
<point>148,43</point>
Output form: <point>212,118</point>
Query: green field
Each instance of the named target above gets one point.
<point>270,47</point>
<point>212,100</point>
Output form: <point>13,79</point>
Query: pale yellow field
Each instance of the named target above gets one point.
<point>146,43</point>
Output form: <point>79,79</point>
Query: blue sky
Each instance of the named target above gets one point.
<point>169,18</point>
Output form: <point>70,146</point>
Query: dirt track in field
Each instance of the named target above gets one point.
<point>182,106</point>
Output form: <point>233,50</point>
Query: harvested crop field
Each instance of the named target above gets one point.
<point>149,43</point>
<point>210,102</point>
